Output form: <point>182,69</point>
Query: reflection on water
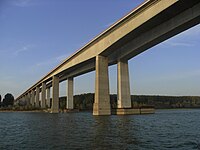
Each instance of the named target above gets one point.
<point>166,129</point>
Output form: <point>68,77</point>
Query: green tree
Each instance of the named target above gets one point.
<point>8,100</point>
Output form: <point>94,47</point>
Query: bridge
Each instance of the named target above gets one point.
<point>147,25</point>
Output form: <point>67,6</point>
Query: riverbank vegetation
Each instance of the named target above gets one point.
<point>7,101</point>
<point>85,102</point>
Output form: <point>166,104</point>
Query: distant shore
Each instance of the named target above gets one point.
<point>21,110</point>
<point>84,110</point>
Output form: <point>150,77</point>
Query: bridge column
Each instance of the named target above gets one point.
<point>55,95</point>
<point>15,102</point>
<point>101,104</point>
<point>37,96</point>
<point>25,99</point>
<point>70,93</point>
<point>43,101</point>
<point>32,97</point>
<point>28,98</point>
<point>48,97</point>
<point>123,85</point>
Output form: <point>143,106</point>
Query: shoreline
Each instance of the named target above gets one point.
<point>71,111</point>
<point>21,111</point>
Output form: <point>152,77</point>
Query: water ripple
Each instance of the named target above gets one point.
<point>166,129</point>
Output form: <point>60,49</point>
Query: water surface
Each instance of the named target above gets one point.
<point>166,129</point>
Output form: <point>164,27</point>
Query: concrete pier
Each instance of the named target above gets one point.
<point>133,111</point>
<point>70,94</point>
<point>32,97</point>
<point>101,104</point>
<point>48,98</point>
<point>123,85</point>
<point>37,96</point>
<point>43,101</point>
<point>28,99</point>
<point>24,98</point>
<point>55,95</point>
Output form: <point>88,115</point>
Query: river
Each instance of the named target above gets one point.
<point>166,129</point>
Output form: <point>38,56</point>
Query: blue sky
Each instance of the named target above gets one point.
<point>36,35</point>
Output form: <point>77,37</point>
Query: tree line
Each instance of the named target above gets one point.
<point>85,101</point>
<point>7,101</point>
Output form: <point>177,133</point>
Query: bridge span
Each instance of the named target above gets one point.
<point>145,26</point>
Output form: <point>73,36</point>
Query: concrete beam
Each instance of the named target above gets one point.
<point>123,85</point>
<point>70,94</point>
<point>55,95</point>
<point>173,26</point>
<point>102,95</point>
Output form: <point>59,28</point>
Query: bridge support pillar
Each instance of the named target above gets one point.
<point>28,99</point>
<point>70,93</point>
<point>22,99</point>
<point>101,104</point>
<point>32,97</point>
<point>55,95</point>
<point>43,101</point>
<point>48,98</point>
<point>25,99</point>
<point>37,96</point>
<point>123,85</point>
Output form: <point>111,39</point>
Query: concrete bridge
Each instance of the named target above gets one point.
<point>147,25</point>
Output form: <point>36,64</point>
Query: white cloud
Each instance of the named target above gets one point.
<point>180,44</point>
<point>25,48</point>
<point>177,43</point>
<point>62,57</point>
<point>22,3</point>
<point>44,63</point>
<point>55,60</point>
<point>187,38</point>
